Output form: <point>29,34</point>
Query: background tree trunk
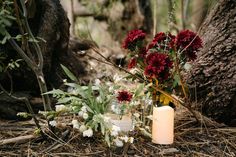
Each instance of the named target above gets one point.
<point>214,72</point>
<point>51,24</point>
<point>199,12</point>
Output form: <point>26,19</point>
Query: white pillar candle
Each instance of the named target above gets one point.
<point>163,125</point>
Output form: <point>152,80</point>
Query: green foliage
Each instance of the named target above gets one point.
<point>6,19</point>
<point>68,73</point>
<point>95,98</point>
<point>91,103</point>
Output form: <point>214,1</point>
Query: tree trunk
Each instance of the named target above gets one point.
<point>200,8</point>
<point>214,72</point>
<point>50,23</point>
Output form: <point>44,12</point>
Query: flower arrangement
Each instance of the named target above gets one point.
<point>157,64</point>
<point>90,106</point>
<point>121,105</point>
<point>161,62</point>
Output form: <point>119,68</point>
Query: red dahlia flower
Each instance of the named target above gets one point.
<point>150,71</point>
<point>124,96</point>
<point>158,66</point>
<point>142,53</point>
<point>190,42</point>
<point>161,41</point>
<point>132,38</point>
<point>132,63</point>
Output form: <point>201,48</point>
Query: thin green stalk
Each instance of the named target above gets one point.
<point>37,68</point>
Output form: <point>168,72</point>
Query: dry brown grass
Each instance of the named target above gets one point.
<point>191,139</point>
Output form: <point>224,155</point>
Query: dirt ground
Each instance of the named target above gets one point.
<point>191,139</point>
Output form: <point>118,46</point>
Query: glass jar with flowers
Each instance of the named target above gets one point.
<point>120,110</point>
<point>159,65</point>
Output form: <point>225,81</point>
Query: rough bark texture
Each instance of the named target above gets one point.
<point>214,72</point>
<point>50,23</point>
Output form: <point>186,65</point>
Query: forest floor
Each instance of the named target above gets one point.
<point>203,139</point>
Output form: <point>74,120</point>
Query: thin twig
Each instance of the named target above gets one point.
<point>37,68</point>
<point>26,101</point>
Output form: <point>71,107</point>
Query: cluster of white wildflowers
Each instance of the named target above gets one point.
<point>115,107</point>
<point>62,108</point>
<point>83,112</point>
<point>115,130</point>
<point>86,131</point>
<point>75,123</point>
<point>90,112</point>
<point>53,123</point>
<point>119,141</point>
<point>23,114</point>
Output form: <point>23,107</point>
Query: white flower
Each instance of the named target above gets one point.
<point>106,119</point>
<point>111,89</point>
<point>133,70</point>
<point>82,128</point>
<point>99,99</point>
<point>43,112</point>
<point>74,108</point>
<point>137,115</point>
<point>65,80</point>
<point>23,114</point>
<point>117,78</point>
<point>74,92</point>
<point>53,123</point>
<point>147,127</point>
<point>75,124</point>
<point>60,108</point>
<point>131,139</point>
<point>115,130</point>
<point>97,82</point>
<point>125,138</point>
<point>115,108</point>
<point>81,113</point>
<point>88,133</point>
<point>70,89</point>
<point>149,117</point>
<point>118,142</point>
<point>84,109</point>
<point>85,115</point>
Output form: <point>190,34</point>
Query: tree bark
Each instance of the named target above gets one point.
<point>50,23</point>
<point>214,72</point>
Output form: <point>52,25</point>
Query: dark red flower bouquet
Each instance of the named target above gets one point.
<point>161,62</point>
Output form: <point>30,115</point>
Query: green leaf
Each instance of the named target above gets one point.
<point>67,99</point>
<point>6,22</point>
<point>55,91</point>
<point>69,73</point>
<point>88,108</point>
<point>176,80</point>
<point>18,37</point>
<point>78,89</point>
<point>139,90</point>
<point>107,139</point>
<point>102,128</point>
<point>4,40</point>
